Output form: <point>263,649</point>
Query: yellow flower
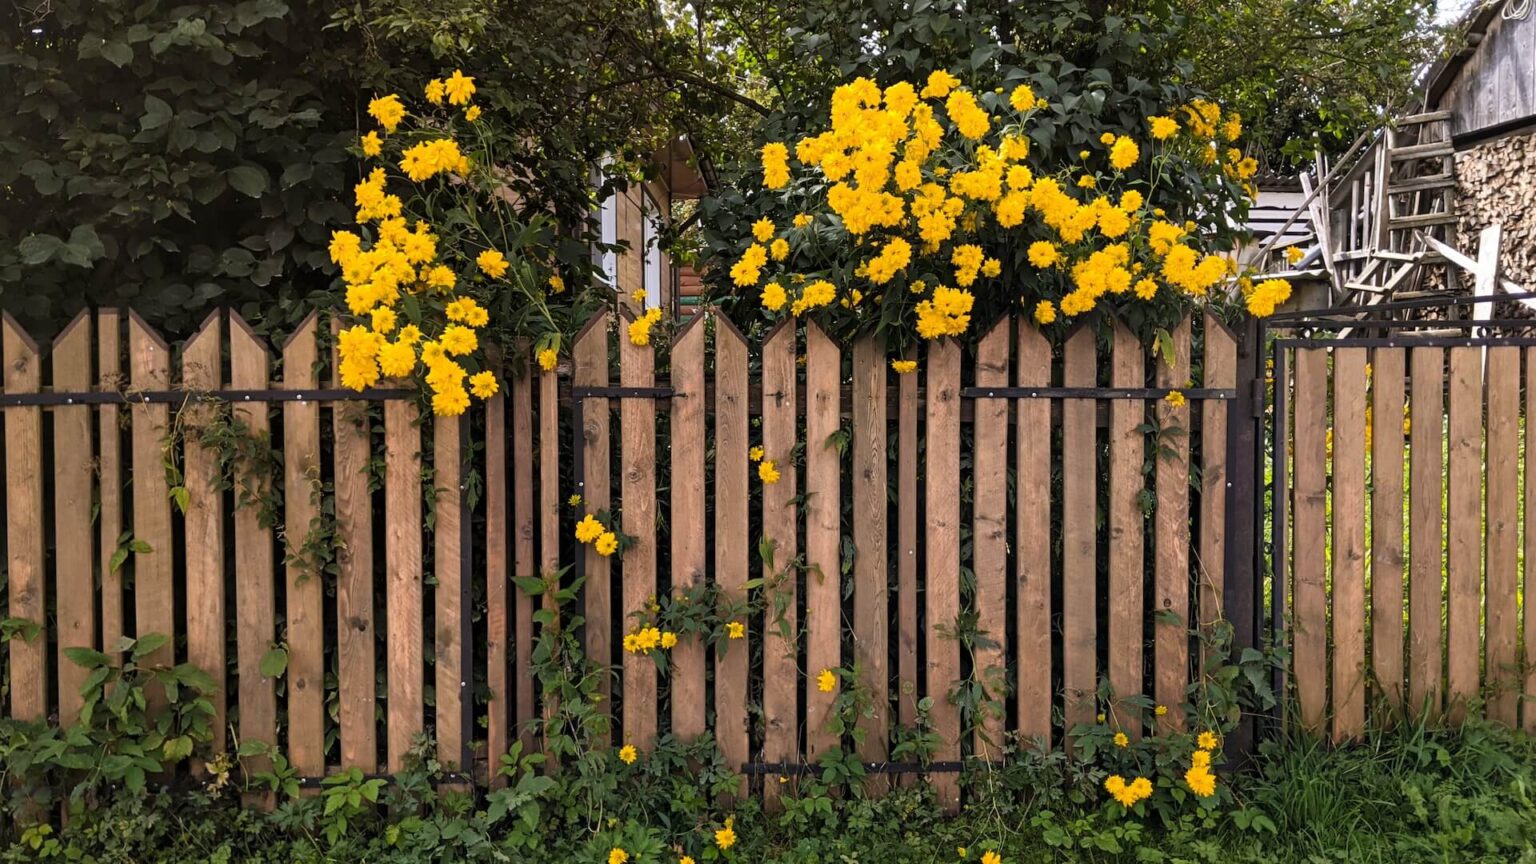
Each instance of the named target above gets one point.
<point>472,113</point>
<point>382,319</point>
<point>904,367</point>
<point>483,384</point>
<point>372,144</point>
<point>617,856</point>
<point>725,838</point>
<point>1022,98</point>
<point>1201,782</point>
<point>1160,710</point>
<point>387,110</point>
<point>1268,295</point>
<point>736,630</point>
<point>767,473</point>
<point>940,82</point>
<point>1124,153</point>
<point>826,681</point>
<point>668,639</point>
<point>802,220</point>
<point>1200,759</point>
<point>548,359</point>
<point>1163,128</point>
<point>588,529</point>
<point>434,91</point>
<point>1294,254</point>
<point>628,754</point>
<point>686,859</point>
<point>775,165</point>
<point>762,229</point>
<point>574,500</point>
<point>1045,312</point>
<point>556,284</point>
<point>459,340</point>
<point>1177,400</point>
<point>638,295</point>
<point>441,278</point>
<point>396,359</point>
<point>607,544</point>
<point>778,250</point>
<point>1207,740</point>
<point>1121,740</point>
<point>990,857</point>
<point>492,263</point>
<point>774,297</point>
<point>450,402</point>
<point>1087,181</point>
<point>459,88</point>
<point>429,158</point>
<point>755,454</point>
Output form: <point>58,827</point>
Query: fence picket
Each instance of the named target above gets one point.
<point>1220,372</point>
<point>732,549</point>
<point>202,370</point>
<point>781,672</point>
<point>941,571</point>
<point>109,518</point>
<point>1127,549</point>
<point>1348,558</point>
<point>689,571</point>
<point>1079,546</point>
<point>1171,620</point>
<point>1464,524</point>
<point>870,534</point>
<point>1032,559</point>
<point>823,534</point>
<point>305,577</point>
<point>255,594</point>
<point>26,589</point>
<point>525,561</point>
<point>1503,471</point>
<point>75,591</point>
<point>447,567</point>
<point>1528,595</point>
<point>990,538</point>
<point>497,622</point>
<point>1387,382</point>
<point>637,429</point>
<point>1425,478</point>
<point>907,404</point>
<point>402,590</point>
<point>355,620</point>
<point>590,369</point>
<point>154,592</point>
<point>549,506</point>
<point>1309,622</point>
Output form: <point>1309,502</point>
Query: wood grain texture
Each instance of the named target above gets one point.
<point>1079,535</point>
<point>732,548</point>
<point>1502,601</point>
<point>1309,598</point>
<point>1348,558</point>
<point>154,591</point>
<point>549,506</point>
<point>525,560</point>
<point>690,568</point>
<point>448,568</point>
<point>1388,380</point>
<point>305,596</point>
<point>1127,531</point>
<point>1425,482</point>
<point>356,635</point>
<point>72,534</point>
<point>590,369</point>
<point>498,707</point>
<point>781,636</point>
<point>1032,558</point>
<point>255,589</point>
<point>871,534</point>
<point>941,571</point>
<point>907,539</point>
<point>402,589</point>
<point>202,370</point>
<point>637,432</point>
<point>1528,606</point>
<point>990,539</point>
<point>1220,372</point>
<point>1171,621</point>
<point>823,535</point>
<point>26,587</point>
<point>109,473</point>
<point>1464,525</point>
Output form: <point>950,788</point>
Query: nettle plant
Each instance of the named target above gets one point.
<point>925,205</point>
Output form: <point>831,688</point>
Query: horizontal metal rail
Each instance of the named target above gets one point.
<point>178,397</point>
<point>1095,392</point>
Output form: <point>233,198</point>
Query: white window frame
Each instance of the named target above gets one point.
<point>650,232</point>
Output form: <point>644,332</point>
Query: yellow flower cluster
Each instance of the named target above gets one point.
<point>429,158</point>
<point>1266,296</point>
<point>1200,779</point>
<point>647,639</point>
<point>1128,794</point>
<point>590,530</point>
<point>640,328</point>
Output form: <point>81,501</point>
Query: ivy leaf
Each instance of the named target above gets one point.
<point>248,179</point>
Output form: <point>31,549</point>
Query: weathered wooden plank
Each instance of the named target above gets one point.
<point>1503,471</point>
<point>907,538</point>
<point>154,592</point>
<point>1220,372</point>
<point>1387,388</point>
<point>689,564</point>
<point>823,534</point>
<point>637,433</point>
<point>1127,532</point>
<point>255,591</point>
<point>355,622</point>
<point>305,598</point>
<point>1079,535</point>
<point>402,590</point>
<point>448,568</point>
<point>1171,623</point>
<point>871,615</point>
<point>498,707</point>
<point>590,369</point>
<point>1032,559</point>
<point>1464,525</point>
<point>202,370</point>
<point>732,547</point>
<point>941,572</point>
<point>1309,599</point>
<point>549,506</point>
<point>781,672</point>
<point>1425,481</point>
<point>990,538</point>
<point>109,472</point>
<point>525,561</point>
<point>73,543</point>
<point>1528,595</point>
<point>26,589</point>
<point>1348,558</point>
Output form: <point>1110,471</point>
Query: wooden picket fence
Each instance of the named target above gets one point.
<point>1054,494</point>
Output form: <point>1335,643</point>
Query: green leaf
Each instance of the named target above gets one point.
<point>148,644</point>
<point>39,248</point>
<point>117,53</point>
<point>249,180</point>
<point>274,663</point>
<point>87,658</point>
<point>157,113</point>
